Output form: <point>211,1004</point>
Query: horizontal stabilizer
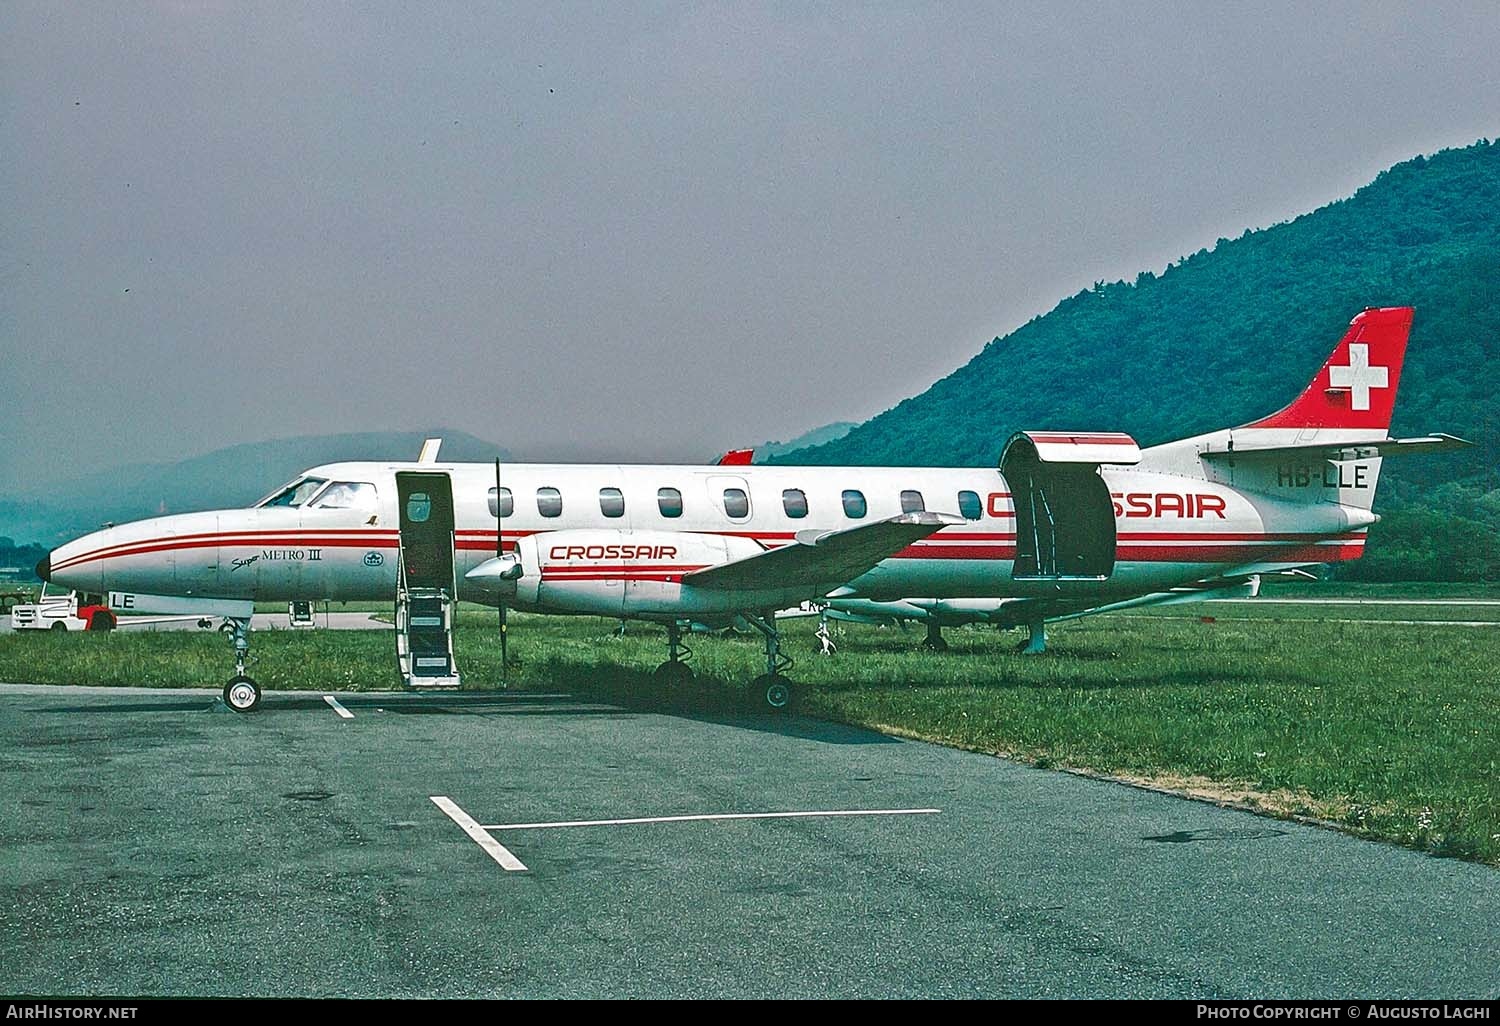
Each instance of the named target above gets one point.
<point>1342,451</point>
<point>828,558</point>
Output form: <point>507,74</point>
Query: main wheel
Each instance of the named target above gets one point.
<point>673,674</point>
<point>242,694</point>
<point>776,689</point>
<point>937,644</point>
<point>102,621</point>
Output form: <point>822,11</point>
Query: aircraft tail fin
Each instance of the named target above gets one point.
<point>1356,386</point>
<point>1328,443</point>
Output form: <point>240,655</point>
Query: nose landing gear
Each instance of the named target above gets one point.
<point>241,694</point>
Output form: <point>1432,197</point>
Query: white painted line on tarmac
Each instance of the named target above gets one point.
<point>493,848</point>
<point>334,702</point>
<point>1360,601</point>
<point>1320,619</point>
<point>716,816</point>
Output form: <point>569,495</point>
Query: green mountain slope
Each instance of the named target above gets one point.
<point>1227,335</point>
<point>236,476</point>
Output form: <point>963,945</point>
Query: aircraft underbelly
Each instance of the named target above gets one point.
<point>896,579</point>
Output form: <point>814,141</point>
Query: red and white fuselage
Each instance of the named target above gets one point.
<point>624,540</point>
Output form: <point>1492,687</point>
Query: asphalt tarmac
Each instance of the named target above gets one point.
<point>156,843</point>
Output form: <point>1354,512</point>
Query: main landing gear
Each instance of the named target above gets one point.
<point>777,688</point>
<point>241,694</point>
<point>1036,644</point>
<point>675,671</point>
<point>934,642</point>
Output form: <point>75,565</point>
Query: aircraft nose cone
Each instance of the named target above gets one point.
<point>44,568</point>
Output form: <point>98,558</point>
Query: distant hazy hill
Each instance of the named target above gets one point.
<point>767,452</point>
<point>1227,335</point>
<point>236,476</point>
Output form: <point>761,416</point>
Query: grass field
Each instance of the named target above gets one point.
<point>1386,729</point>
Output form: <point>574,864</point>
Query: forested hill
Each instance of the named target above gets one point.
<point>1229,334</point>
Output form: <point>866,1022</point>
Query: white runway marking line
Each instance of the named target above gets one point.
<point>1363,601</point>
<point>715,816</point>
<point>334,703</point>
<point>1309,619</point>
<point>493,848</point>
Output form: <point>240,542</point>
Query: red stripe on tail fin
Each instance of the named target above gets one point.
<point>1356,387</point>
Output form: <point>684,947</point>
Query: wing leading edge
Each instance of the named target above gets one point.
<point>824,558</point>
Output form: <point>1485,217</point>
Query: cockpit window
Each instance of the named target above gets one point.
<point>294,494</point>
<point>347,495</point>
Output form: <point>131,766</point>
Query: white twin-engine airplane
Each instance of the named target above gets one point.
<point>1069,522</point>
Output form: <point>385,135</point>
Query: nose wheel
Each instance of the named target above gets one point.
<point>241,694</point>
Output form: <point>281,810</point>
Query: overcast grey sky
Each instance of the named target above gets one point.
<point>634,231</point>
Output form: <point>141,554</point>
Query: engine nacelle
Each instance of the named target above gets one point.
<point>619,573</point>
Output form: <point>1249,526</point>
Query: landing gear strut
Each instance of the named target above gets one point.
<point>675,670</point>
<point>1037,643</point>
<point>774,683</point>
<point>934,642</point>
<point>241,694</point>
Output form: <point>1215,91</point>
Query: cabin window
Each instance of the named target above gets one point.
<point>504,504</point>
<point>612,502</point>
<point>669,501</point>
<point>854,504</point>
<point>911,501</point>
<point>969,505</point>
<point>347,495</point>
<point>794,501</point>
<point>549,502</point>
<point>736,503</point>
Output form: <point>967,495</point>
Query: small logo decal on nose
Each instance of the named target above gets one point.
<point>374,559</point>
<point>242,562</point>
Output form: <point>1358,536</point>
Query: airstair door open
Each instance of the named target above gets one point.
<point>1065,520</point>
<point>426,588</point>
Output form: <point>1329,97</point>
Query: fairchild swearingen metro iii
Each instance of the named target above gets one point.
<point>1067,523</point>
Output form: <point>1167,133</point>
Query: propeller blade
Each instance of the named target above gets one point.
<point>500,551</point>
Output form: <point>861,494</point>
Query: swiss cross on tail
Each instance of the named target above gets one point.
<point>1356,387</point>
<point>1358,377</point>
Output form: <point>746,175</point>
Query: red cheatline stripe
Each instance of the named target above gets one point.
<point>481,544</point>
<point>1230,536</point>
<point>1240,554</point>
<point>218,536</point>
<point>548,568</point>
<point>298,541</point>
<point>569,578</point>
<point>1139,546</point>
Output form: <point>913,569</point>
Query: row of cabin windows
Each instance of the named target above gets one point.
<point>736,503</point>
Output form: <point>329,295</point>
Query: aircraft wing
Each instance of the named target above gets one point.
<point>828,558</point>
